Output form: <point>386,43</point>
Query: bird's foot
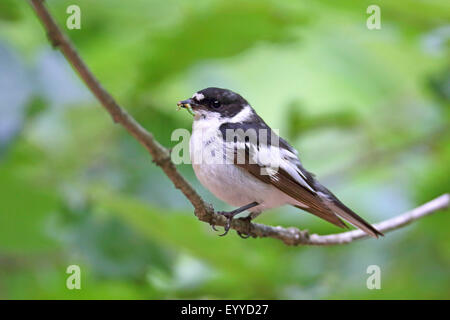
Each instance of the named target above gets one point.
<point>245,235</point>
<point>229,216</point>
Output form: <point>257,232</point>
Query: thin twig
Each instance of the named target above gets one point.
<point>161,156</point>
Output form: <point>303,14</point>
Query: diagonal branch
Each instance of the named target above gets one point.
<point>161,156</point>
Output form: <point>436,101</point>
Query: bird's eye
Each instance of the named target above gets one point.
<point>215,104</point>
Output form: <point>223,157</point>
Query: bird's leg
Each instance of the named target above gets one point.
<point>230,214</point>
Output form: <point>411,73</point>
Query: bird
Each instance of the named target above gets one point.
<point>243,162</point>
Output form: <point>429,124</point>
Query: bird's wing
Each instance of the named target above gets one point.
<point>281,167</point>
<point>283,181</point>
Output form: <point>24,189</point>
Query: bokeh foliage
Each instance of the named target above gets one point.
<point>368,110</point>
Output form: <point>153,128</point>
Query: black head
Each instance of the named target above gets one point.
<point>223,102</point>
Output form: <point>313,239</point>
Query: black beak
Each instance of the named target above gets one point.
<point>183,103</point>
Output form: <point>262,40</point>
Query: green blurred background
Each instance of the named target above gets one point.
<point>368,110</point>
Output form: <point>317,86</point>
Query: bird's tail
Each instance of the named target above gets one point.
<point>348,215</point>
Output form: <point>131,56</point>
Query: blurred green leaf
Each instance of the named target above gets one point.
<point>9,10</point>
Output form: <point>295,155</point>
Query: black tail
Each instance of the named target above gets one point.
<point>351,217</point>
<point>347,214</point>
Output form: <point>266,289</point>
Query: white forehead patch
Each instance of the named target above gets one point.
<point>198,96</point>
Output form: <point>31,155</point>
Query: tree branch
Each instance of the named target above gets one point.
<point>161,156</point>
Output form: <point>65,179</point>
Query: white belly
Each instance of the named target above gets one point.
<point>236,187</point>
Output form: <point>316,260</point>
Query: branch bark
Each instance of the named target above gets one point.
<point>161,156</point>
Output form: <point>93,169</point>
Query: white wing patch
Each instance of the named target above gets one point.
<point>292,156</point>
<point>295,173</point>
<point>271,158</point>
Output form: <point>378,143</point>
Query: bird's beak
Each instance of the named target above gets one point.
<point>184,103</point>
<point>187,104</point>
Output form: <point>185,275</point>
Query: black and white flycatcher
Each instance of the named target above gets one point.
<point>268,175</point>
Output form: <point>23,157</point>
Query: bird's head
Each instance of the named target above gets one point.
<point>215,103</point>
